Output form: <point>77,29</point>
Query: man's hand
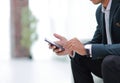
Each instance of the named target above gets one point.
<point>76,46</point>
<point>62,41</point>
<point>73,45</point>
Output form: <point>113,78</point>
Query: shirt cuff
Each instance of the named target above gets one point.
<point>89,47</point>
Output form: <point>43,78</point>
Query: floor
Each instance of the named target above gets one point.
<point>35,71</point>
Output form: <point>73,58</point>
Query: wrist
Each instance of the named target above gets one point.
<point>83,52</point>
<point>88,50</point>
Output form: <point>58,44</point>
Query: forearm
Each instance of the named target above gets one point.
<point>101,50</point>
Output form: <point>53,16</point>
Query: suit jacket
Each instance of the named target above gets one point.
<point>100,48</point>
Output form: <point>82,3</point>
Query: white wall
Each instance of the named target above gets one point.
<point>4,30</point>
<point>70,18</point>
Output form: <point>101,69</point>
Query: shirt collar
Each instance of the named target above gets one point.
<point>108,7</point>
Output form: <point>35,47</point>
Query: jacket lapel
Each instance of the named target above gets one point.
<point>103,20</point>
<point>114,6</point>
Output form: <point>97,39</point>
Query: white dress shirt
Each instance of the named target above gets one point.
<point>107,15</point>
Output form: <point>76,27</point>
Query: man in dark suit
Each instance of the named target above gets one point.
<point>101,55</point>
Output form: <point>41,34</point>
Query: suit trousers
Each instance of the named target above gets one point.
<point>107,68</point>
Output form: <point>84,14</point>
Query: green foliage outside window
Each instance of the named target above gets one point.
<point>28,33</point>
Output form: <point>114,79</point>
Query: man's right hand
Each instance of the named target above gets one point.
<point>61,41</point>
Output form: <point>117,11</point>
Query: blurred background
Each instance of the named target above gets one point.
<point>24,55</point>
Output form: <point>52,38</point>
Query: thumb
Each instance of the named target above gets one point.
<point>59,36</point>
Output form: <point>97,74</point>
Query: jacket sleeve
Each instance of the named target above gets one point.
<point>101,50</point>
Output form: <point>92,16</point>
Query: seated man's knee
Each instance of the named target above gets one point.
<point>108,61</point>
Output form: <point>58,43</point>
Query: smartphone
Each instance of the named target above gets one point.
<point>55,44</point>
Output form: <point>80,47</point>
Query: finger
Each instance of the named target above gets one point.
<point>60,53</point>
<point>68,45</point>
<point>52,46</point>
<point>56,50</point>
<point>59,36</point>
